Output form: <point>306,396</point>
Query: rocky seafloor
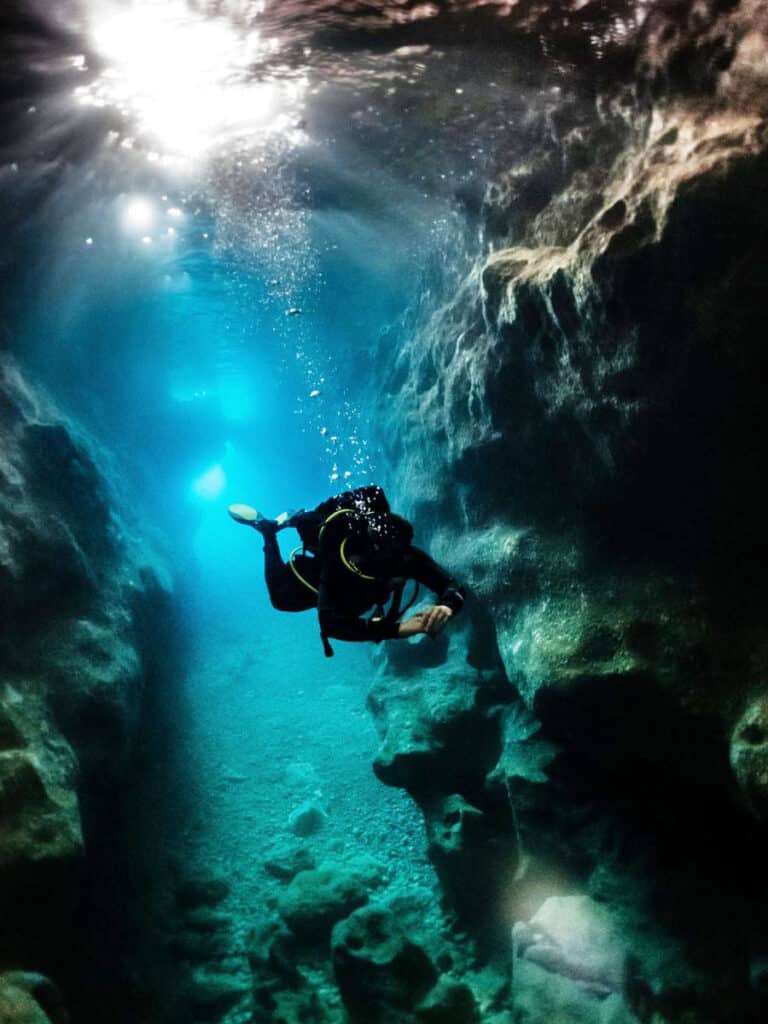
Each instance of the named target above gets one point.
<point>574,422</point>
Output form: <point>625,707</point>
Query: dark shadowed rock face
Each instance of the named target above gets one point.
<point>78,591</point>
<point>578,432</point>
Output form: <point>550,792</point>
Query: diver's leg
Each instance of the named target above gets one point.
<point>274,566</point>
<point>286,593</point>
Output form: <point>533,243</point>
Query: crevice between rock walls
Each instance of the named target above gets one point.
<point>86,641</point>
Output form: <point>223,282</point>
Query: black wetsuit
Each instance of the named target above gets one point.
<point>341,596</point>
<point>286,591</point>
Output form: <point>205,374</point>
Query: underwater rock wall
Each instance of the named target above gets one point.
<point>577,432</point>
<point>85,606</point>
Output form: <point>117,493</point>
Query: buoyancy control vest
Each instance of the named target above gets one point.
<point>363,509</point>
<point>358,504</point>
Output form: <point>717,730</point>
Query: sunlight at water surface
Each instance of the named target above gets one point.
<point>184,79</point>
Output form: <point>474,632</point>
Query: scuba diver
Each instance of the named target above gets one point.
<point>355,554</point>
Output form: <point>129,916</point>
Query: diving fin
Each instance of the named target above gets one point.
<point>245,514</point>
<point>249,516</point>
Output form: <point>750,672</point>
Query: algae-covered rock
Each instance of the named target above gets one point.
<point>19,1007</point>
<point>305,1006</point>
<point>283,988</point>
<point>575,428</point>
<point>316,899</point>
<point>30,998</point>
<point>41,816</point>
<point>380,970</point>
<point>287,866</point>
<point>211,961</point>
<point>271,950</point>
<point>749,755</point>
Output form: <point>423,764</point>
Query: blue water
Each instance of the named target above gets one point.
<point>183,361</point>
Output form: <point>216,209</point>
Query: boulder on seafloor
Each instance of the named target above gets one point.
<point>575,937</point>
<point>381,972</point>
<point>281,990</point>
<point>211,960</point>
<point>307,819</point>
<point>541,997</point>
<point>310,1005</point>
<point>287,858</point>
<point>271,948</point>
<point>316,899</point>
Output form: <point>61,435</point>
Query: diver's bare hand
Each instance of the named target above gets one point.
<point>435,618</point>
<point>412,626</point>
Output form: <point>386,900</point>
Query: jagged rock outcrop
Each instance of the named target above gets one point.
<point>578,433</point>
<point>380,970</point>
<point>81,598</point>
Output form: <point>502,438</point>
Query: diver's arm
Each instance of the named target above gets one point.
<point>448,592</point>
<point>336,622</point>
<point>347,627</point>
<point>420,567</point>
